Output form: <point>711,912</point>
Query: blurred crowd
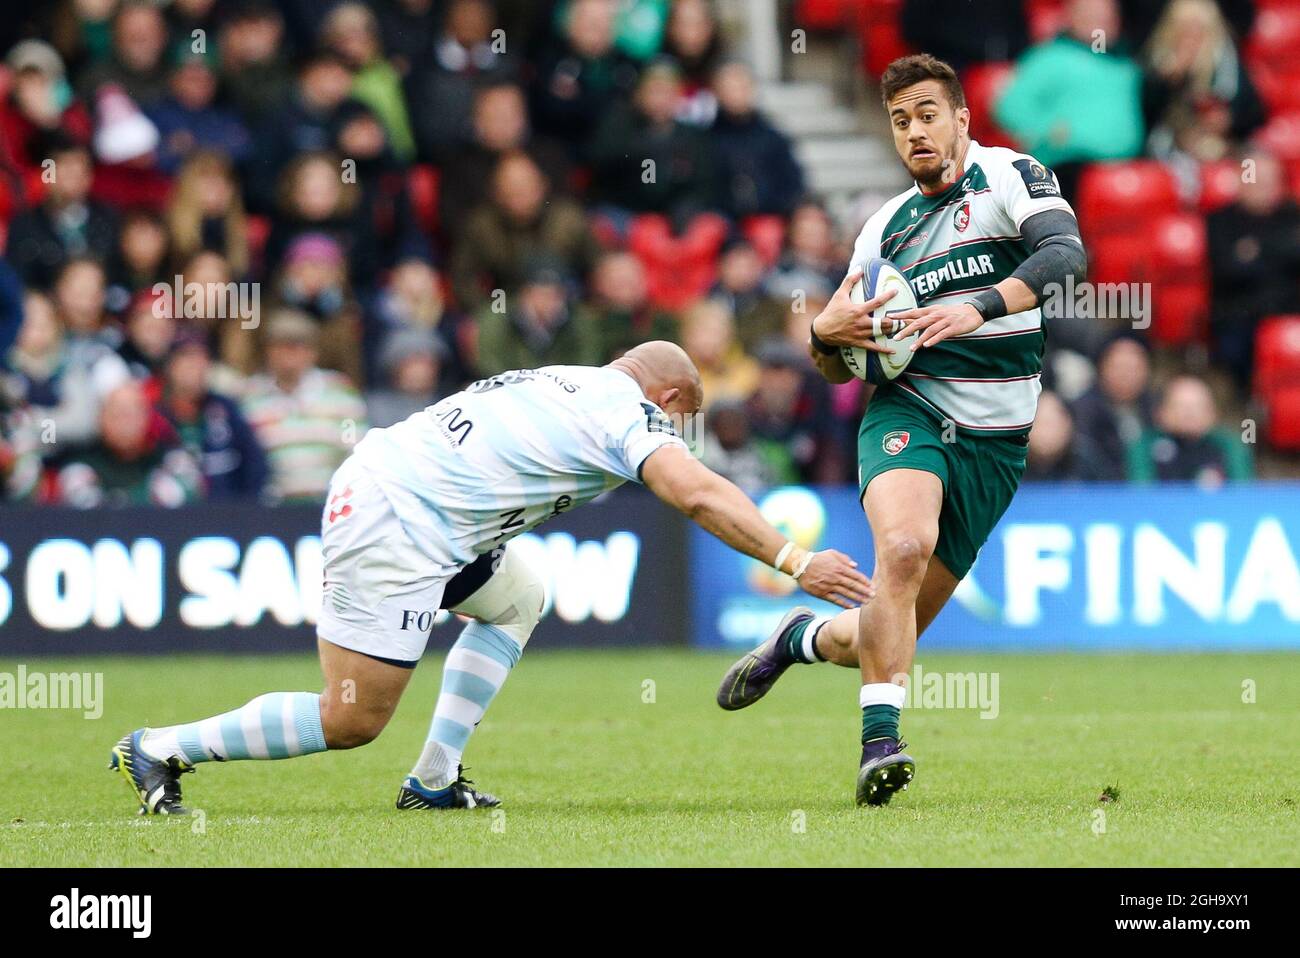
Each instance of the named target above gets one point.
<point>238,233</point>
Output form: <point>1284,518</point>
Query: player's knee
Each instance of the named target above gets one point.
<point>346,725</point>
<point>904,554</point>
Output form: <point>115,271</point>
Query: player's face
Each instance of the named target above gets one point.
<point>928,133</point>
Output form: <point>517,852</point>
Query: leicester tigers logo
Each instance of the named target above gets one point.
<point>895,442</point>
<point>961,219</point>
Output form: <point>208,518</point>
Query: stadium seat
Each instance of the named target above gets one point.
<point>1277,354</point>
<point>1275,37</point>
<point>679,269</point>
<point>821,14</point>
<point>881,33</point>
<point>983,84</point>
<point>1114,197</point>
<point>1119,258</point>
<point>422,184</point>
<point>1046,18</point>
<point>1180,283</point>
<point>1282,408</point>
<point>1220,181</point>
<point>1278,85</point>
<point>767,235</point>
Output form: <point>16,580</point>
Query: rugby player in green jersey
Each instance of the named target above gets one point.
<point>982,236</point>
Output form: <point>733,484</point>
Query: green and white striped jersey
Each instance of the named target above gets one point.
<point>951,245</point>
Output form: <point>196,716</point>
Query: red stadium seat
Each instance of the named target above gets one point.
<point>1220,183</point>
<point>1178,243</point>
<point>1275,37</point>
<point>1278,85</point>
<point>881,33</point>
<point>1282,135</point>
<point>1119,258</point>
<point>1114,197</point>
<point>821,14</point>
<point>422,184</point>
<point>1046,18</point>
<point>1282,409</point>
<point>767,235</point>
<point>1180,279</point>
<point>1277,354</point>
<point>679,269</point>
<point>983,84</point>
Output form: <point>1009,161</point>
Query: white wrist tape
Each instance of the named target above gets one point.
<point>802,567</point>
<point>782,556</point>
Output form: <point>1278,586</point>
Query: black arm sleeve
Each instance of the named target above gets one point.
<point>1058,252</point>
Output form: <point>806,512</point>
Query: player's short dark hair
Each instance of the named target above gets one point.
<point>905,71</point>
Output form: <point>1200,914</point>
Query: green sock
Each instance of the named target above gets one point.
<point>792,645</point>
<point>879,721</point>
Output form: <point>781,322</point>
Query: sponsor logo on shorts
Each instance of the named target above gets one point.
<point>895,442</point>
<point>961,219</point>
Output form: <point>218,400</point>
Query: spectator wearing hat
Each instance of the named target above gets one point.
<point>306,418</point>
<point>756,163</point>
<point>126,149</point>
<point>188,118</point>
<point>1116,410</point>
<point>315,199</point>
<point>521,221</point>
<point>411,365</point>
<point>313,280</point>
<point>1187,444</point>
<point>538,327</point>
<point>39,102</point>
<point>67,223</point>
<point>136,461</point>
<point>208,424</point>
<point>791,406</point>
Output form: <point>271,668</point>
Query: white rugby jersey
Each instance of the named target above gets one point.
<point>478,468</point>
<point>951,245</point>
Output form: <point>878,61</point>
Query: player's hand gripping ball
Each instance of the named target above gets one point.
<point>879,277</point>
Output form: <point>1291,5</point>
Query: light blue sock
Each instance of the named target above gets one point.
<point>274,725</point>
<point>476,668</point>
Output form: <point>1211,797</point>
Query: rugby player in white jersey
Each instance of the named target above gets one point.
<point>419,519</point>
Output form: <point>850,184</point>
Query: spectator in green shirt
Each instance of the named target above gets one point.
<point>1187,442</point>
<point>1077,97</point>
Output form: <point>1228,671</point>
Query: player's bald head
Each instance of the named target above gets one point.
<point>665,373</point>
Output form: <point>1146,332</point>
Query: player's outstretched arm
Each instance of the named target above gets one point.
<point>719,507</point>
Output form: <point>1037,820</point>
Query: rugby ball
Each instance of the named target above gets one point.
<point>879,276</point>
